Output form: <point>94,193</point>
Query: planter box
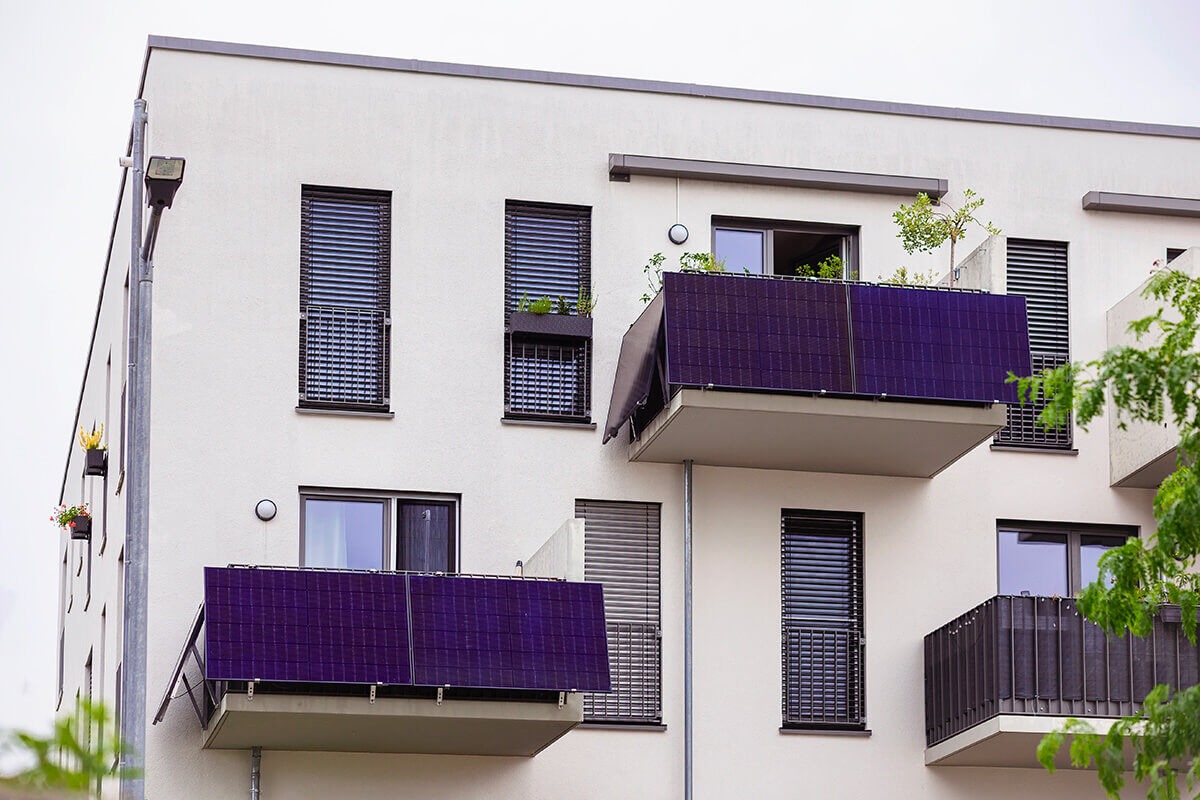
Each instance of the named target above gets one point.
<point>551,324</point>
<point>82,529</point>
<point>1169,612</point>
<point>96,462</point>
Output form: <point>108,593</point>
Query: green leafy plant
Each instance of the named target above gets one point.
<point>701,263</point>
<point>64,516</point>
<point>1155,381</point>
<point>523,304</point>
<point>72,760</point>
<point>585,304</point>
<point>562,306</point>
<point>93,439</point>
<point>832,268</point>
<point>543,305</point>
<point>902,277</point>
<point>924,227</point>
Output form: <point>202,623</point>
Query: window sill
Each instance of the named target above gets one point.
<point>823,732</point>
<point>87,602</point>
<point>548,423</point>
<point>624,726</point>
<point>58,703</point>
<point>342,412</point>
<point>103,544</point>
<point>1053,451</point>
<point>120,483</point>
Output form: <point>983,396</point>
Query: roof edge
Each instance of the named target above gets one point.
<point>668,87</point>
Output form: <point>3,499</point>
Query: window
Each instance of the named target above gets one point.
<point>85,714</point>
<point>621,551</point>
<point>356,532</point>
<point>62,646</point>
<point>1037,271</point>
<point>108,437</point>
<point>1052,560</point>
<point>547,367</point>
<point>345,298</point>
<point>782,248</point>
<point>822,640</point>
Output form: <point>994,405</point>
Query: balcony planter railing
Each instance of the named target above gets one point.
<point>81,527</point>
<point>95,461</point>
<point>551,324</point>
<point>1039,656</point>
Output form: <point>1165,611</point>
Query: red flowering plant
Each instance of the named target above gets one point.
<point>64,516</point>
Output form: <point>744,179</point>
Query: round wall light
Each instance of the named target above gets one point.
<point>265,510</point>
<point>677,233</point>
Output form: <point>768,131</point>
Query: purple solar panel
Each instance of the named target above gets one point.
<point>749,333</point>
<point>805,336</point>
<point>354,627</point>
<point>298,625</point>
<point>508,634</point>
<point>937,345</point>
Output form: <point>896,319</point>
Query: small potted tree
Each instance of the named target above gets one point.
<point>76,520</point>
<point>561,317</point>
<point>95,451</point>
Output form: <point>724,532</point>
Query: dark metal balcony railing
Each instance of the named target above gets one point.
<point>1039,656</point>
<point>823,668</point>
<point>635,663</point>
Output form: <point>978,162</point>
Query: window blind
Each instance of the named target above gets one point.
<point>547,253</point>
<point>1037,271</point>
<point>821,637</point>
<point>345,298</point>
<point>621,551</point>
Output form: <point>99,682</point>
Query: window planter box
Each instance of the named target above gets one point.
<point>551,324</point>
<point>82,529</point>
<point>1169,612</point>
<point>96,462</point>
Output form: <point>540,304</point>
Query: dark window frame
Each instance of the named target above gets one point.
<point>851,233</point>
<point>391,501</point>
<point>1074,533</point>
<point>856,688</point>
<point>652,510</point>
<point>561,354</point>
<point>1022,431</point>
<point>381,307</point>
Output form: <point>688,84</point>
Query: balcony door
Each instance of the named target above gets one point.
<point>424,536</point>
<point>1052,560</point>
<point>378,531</point>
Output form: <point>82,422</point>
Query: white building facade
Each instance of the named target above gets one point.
<point>395,214</point>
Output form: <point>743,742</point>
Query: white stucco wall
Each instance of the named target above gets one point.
<point>452,150</point>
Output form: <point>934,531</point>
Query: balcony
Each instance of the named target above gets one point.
<point>354,661</point>
<point>842,377</point>
<point>1141,454</point>
<point>1009,671</point>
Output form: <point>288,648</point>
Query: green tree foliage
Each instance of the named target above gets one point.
<point>924,227</point>
<point>82,749</point>
<point>902,277</point>
<point>702,263</point>
<point>1157,381</point>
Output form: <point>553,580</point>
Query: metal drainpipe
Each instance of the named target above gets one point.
<point>687,630</point>
<point>133,646</point>
<point>255,772</point>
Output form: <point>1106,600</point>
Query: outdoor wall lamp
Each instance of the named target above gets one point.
<point>164,174</point>
<point>265,510</point>
<point>677,233</point>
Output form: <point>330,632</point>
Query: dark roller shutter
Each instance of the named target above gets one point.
<point>822,642</point>
<point>547,253</point>
<point>1037,271</point>
<point>621,551</point>
<point>345,298</point>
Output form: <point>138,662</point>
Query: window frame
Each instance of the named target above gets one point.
<point>1074,533</point>
<point>391,501</point>
<point>384,305</point>
<point>851,235</point>
<point>580,344</point>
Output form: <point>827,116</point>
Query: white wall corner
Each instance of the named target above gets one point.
<point>561,556</point>
<point>985,268</point>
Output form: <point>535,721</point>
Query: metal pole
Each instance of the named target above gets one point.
<point>255,772</point>
<point>687,630</point>
<point>133,636</point>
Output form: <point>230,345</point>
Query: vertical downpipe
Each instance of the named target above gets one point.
<point>255,772</point>
<point>133,638</point>
<point>687,630</point>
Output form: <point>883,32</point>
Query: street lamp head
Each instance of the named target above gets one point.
<point>163,176</point>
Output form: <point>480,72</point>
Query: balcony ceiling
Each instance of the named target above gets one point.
<point>815,434</point>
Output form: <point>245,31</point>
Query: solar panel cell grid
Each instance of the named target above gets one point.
<point>293,625</point>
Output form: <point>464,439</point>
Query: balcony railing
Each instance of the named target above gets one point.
<point>1039,656</point>
<point>824,677</point>
<point>635,656</point>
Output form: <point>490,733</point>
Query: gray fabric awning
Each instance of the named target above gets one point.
<point>635,367</point>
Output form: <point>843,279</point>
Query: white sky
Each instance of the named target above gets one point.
<point>68,71</point>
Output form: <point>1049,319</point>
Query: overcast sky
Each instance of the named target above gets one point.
<point>68,72</point>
